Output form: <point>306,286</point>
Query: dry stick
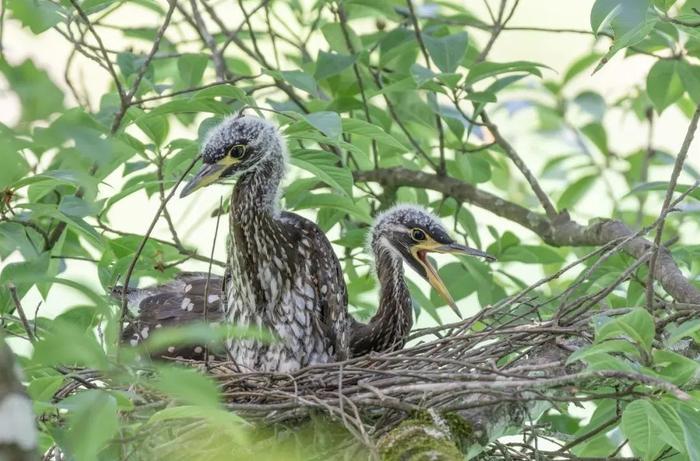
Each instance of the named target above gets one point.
<point>216,56</point>
<point>438,121</point>
<point>346,35</point>
<point>193,89</point>
<point>126,101</point>
<point>497,27</point>
<point>130,270</point>
<point>520,164</point>
<point>206,285</point>
<point>677,167</point>
<point>103,50</point>
<point>20,311</point>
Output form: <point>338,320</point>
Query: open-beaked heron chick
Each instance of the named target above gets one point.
<point>403,233</point>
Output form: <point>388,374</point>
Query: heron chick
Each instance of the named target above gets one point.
<point>403,233</point>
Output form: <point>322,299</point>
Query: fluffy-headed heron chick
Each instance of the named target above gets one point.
<point>403,233</point>
<point>284,275</point>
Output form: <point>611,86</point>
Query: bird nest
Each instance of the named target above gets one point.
<point>473,379</point>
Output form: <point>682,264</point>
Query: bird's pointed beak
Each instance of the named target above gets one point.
<point>456,248</point>
<point>420,252</point>
<point>208,174</point>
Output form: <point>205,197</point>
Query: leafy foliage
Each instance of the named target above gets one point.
<point>385,87</point>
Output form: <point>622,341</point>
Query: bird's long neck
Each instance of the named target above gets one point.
<point>253,230</point>
<point>256,191</point>
<point>389,327</point>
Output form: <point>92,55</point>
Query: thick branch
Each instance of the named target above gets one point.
<point>560,231</point>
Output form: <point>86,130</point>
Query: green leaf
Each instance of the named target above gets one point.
<point>301,80</point>
<point>637,325</point>
<point>595,131</point>
<point>76,207</point>
<point>339,202</point>
<point>323,165</point>
<point>671,430</point>
<point>690,77</point>
<point>92,422</point>
<point>622,16</point>
<point>326,122</point>
<point>330,64</point>
<point>360,127</point>
<point>662,186</point>
<point>39,95</point>
<point>473,169</point>
<point>155,127</point>
<point>191,68</point>
<point>489,69</point>
<point>615,345</point>
<point>447,52</point>
<point>664,85</point>
<point>629,38</point>
<point>579,66</point>
<point>38,15</point>
<point>187,386</point>
<point>664,5</point>
<point>14,167</point>
<point>674,367</point>
<point>68,344</point>
<point>690,422</point>
<point>685,329</point>
<point>641,424</point>
<point>197,412</point>
<point>530,254</point>
<point>575,192</point>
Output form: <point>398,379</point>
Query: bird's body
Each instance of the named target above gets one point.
<point>176,303</point>
<point>285,277</point>
<point>402,234</point>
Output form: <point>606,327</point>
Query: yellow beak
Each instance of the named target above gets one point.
<point>420,251</point>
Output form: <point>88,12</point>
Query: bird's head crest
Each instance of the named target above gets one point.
<point>236,145</point>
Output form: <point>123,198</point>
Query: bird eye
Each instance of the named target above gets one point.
<point>417,235</point>
<point>237,151</point>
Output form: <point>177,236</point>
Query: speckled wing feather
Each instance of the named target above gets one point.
<point>175,303</point>
<point>326,275</point>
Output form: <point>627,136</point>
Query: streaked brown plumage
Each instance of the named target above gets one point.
<point>393,239</point>
<point>284,275</point>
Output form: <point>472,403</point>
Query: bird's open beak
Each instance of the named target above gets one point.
<point>420,252</point>
<point>208,174</point>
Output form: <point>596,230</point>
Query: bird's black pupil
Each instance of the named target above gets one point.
<point>237,151</point>
<point>418,234</point>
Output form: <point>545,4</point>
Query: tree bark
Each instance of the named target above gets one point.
<point>560,231</point>
<point>18,434</point>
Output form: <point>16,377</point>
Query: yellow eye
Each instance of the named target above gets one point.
<point>417,235</point>
<point>237,151</point>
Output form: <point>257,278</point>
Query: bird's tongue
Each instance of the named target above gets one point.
<point>423,256</point>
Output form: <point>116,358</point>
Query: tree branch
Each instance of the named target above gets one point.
<point>560,231</point>
<point>677,168</point>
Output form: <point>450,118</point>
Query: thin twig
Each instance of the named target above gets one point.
<point>20,312</point>
<point>677,168</point>
<point>126,100</point>
<point>142,245</point>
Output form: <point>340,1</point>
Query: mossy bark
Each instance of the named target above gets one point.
<point>426,436</point>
